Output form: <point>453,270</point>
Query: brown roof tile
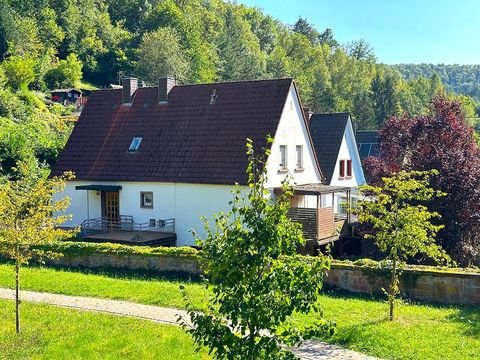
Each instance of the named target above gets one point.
<point>187,140</point>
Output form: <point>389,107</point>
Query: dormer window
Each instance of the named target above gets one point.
<point>135,143</point>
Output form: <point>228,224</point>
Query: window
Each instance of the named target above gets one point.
<point>135,144</point>
<point>349,168</point>
<point>146,199</point>
<point>283,157</point>
<point>342,168</point>
<point>299,151</point>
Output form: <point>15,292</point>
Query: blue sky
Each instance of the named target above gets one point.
<point>400,31</point>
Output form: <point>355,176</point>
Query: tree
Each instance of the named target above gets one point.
<point>440,140</point>
<point>27,222</point>
<point>160,54</point>
<point>19,71</point>
<point>68,73</point>
<point>302,26</point>
<point>360,50</point>
<point>259,280</point>
<point>326,37</point>
<point>401,224</point>
<point>239,50</point>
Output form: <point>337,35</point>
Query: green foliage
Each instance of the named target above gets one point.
<point>160,55</point>
<point>259,279</point>
<point>78,248</point>
<point>68,73</point>
<point>402,226</point>
<point>27,205</point>
<point>19,71</point>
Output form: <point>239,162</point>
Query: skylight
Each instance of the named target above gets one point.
<point>135,144</point>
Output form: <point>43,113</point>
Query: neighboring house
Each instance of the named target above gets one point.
<point>367,141</point>
<point>69,97</point>
<point>334,142</point>
<point>152,161</point>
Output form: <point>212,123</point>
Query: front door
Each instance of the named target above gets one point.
<point>112,207</point>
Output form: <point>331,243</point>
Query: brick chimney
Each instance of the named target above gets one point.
<point>308,113</point>
<point>129,86</point>
<point>164,86</point>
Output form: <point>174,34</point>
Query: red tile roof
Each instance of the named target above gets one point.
<point>187,140</point>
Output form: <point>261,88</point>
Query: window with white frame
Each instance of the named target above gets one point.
<point>283,157</point>
<point>146,199</point>
<point>299,153</point>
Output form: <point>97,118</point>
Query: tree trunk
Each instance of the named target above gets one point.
<point>17,288</point>
<point>393,290</point>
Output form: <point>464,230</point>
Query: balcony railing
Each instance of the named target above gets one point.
<point>125,223</point>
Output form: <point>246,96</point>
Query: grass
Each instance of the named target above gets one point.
<point>418,332</point>
<point>55,333</point>
<point>138,287</point>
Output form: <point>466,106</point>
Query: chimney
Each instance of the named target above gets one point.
<point>164,86</point>
<point>129,85</point>
<point>308,113</point>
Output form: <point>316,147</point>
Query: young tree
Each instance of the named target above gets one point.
<point>401,225</point>
<point>440,140</point>
<point>27,222</point>
<point>258,278</point>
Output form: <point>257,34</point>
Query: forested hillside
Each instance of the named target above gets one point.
<point>461,79</point>
<point>46,44</point>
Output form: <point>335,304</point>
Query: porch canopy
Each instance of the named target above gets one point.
<point>99,187</point>
<point>319,189</point>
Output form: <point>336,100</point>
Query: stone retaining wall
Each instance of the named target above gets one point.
<point>445,287</point>
<point>175,263</point>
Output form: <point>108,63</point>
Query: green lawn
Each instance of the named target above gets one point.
<point>132,286</point>
<point>54,333</point>
<point>419,331</point>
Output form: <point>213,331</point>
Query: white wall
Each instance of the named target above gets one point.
<point>348,150</point>
<point>186,203</point>
<point>292,131</point>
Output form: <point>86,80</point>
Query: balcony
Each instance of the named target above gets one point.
<point>159,232</point>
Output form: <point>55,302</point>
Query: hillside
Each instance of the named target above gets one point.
<point>461,79</point>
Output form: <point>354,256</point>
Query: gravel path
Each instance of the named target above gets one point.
<point>310,350</point>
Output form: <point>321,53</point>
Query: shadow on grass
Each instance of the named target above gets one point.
<point>469,317</point>
<point>123,274</point>
<point>356,334</point>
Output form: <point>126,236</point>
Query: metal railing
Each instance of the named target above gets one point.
<point>125,223</point>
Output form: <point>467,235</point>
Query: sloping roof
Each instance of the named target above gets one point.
<point>327,132</point>
<point>185,140</point>
<point>367,142</point>
<point>65,90</point>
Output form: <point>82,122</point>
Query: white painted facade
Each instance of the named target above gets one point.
<point>348,151</point>
<point>187,203</point>
<point>292,132</point>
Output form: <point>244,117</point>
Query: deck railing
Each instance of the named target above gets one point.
<point>125,223</point>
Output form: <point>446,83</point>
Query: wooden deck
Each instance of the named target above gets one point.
<point>145,238</point>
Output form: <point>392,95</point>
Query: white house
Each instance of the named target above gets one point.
<point>152,161</point>
<point>337,153</point>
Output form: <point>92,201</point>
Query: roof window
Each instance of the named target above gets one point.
<point>135,143</point>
